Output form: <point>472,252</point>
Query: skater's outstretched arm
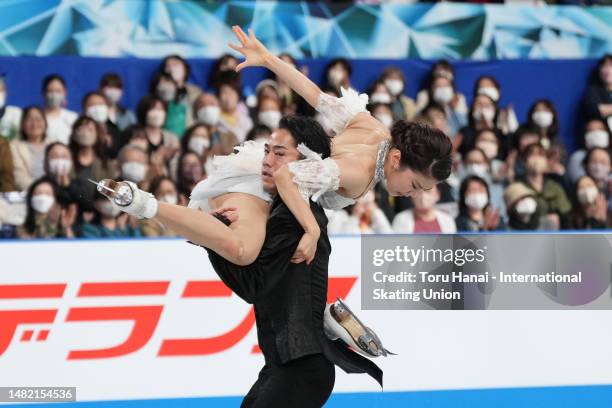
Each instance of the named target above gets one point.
<point>257,55</point>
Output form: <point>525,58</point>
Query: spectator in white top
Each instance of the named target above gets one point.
<point>424,217</point>
<point>29,150</point>
<point>365,218</point>
<point>10,116</point>
<point>59,119</point>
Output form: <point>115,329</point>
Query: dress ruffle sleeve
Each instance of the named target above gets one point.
<point>338,112</point>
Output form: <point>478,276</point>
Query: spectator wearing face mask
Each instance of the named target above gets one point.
<point>291,101</point>
<point>514,167</point>
<point>402,106</point>
<point>365,218</point>
<point>164,190</point>
<point>424,217</point>
<point>28,152</point>
<point>45,218</point>
<point>59,119</point>
<point>435,116</point>
<point>543,116</point>
<point>190,172</point>
<point>483,116</point>
<point>597,166</point>
<point>553,202</point>
<point>111,86</point>
<point>487,141</point>
<point>164,87</point>
<point>59,168</point>
<point>90,159</point>
<point>95,107</point>
<point>7,171</point>
<point>186,93</point>
<point>338,74</point>
<point>476,163</point>
<point>269,112</point>
<point>383,113</point>
<point>475,210</point>
<point>134,165</point>
<point>110,222</point>
<point>590,206</point>
<point>507,122</point>
<point>442,91</point>
<point>163,144</point>
<point>198,140</point>
<point>10,116</point>
<point>597,101</point>
<point>522,208</point>
<point>235,118</point>
<point>208,112</point>
<point>596,134</point>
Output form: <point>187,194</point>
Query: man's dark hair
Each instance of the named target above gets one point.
<point>424,149</point>
<point>308,131</point>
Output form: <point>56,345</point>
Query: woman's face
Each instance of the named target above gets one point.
<point>541,107</point>
<point>34,125</point>
<point>405,182</point>
<point>166,188</point>
<point>601,158</point>
<point>55,86</point>
<point>43,189</point>
<point>228,98</point>
<point>487,142</point>
<point>605,72</point>
<point>475,187</point>
<point>483,102</point>
<point>59,152</point>
<point>475,157</point>
<point>595,124</point>
<point>486,83</point>
<point>228,63</point>
<point>191,168</point>
<point>441,83</point>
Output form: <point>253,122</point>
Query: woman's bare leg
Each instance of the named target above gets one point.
<point>239,243</point>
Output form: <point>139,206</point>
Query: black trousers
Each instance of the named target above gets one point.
<point>306,382</point>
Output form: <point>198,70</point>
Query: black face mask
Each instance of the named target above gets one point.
<point>516,223</point>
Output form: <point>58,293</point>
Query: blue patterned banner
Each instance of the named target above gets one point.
<point>154,28</point>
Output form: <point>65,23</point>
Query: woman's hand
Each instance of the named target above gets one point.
<point>252,49</point>
<point>306,248</point>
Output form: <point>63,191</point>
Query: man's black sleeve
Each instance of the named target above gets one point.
<point>283,233</point>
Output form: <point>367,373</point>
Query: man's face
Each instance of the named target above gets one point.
<point>279,150</point>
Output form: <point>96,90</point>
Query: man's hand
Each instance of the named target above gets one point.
<point>229,213</point>
<point>307,248</point>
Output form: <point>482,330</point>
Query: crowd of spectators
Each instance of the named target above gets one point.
<point>506,175</point>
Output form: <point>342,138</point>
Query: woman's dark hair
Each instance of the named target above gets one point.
<point>472,121</point>
<point>490,78</point>
<point>423,148</point>
<point>590,152</point>
<point>25,114</point>
<point>111,79</point>
<point>182,185</point>
<point>229,78</point>
<point>286,54</point>
<point>435,106</point>
<point>145,104</point>
<point>308,131</point>
<point>50,78</point>
<point>553,129</point>
<point>157,79</point>
<point>257,130</point>
<point>463,208</point>
<point>525,129</point>
<point>595,77</point>
<point>444,64</point>
<point>189,132</point>
<point>341,61</point>
<point>156,183</point>
<point>30,220</point>
<point>100,148</point>
<point>531,148</point>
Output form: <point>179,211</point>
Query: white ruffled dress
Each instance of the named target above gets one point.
<point>316,178</point>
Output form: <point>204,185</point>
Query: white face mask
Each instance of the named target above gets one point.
<point>198,144</point>
<point>336,76</point>
<point>526,206</point>
<point>485,114</point>
<point>380,97</point>
<point>587,195</point>
<point>55,99</point>
<point>42,203</point>
<point>489,91</point>
<point>108,209</point>
<point>596,138</point>
<point>169,199</point>
<point>60,166</point>
<point>156,118</point>
<point>489,148</point>
<point>270,118</point>
<point>385,119</point>
<point>395,86</point>
<point>166,92</point>
<point>209,115</point>
<point>2,99</point>
<point>177,72</point>
<point>99,113</point>
<point>85,137</point>
<point>477,201</point>
<point>542,118</point>
<point>113,94</point>
<point>443,94</point>
<point>134,171</point>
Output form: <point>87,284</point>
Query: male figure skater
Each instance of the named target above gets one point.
<point>289,298</point>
